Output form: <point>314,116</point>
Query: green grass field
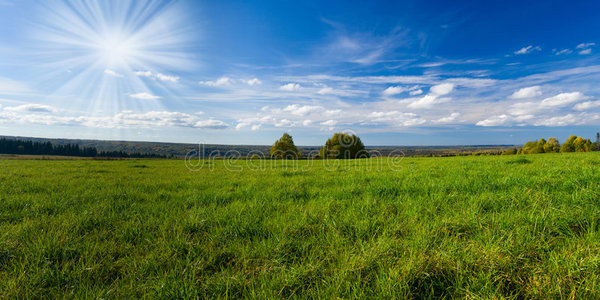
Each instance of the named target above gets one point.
<point>474,227</point>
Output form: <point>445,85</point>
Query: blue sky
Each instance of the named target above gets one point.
<point>241,72</point>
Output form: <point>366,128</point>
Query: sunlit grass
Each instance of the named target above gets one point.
<point>456,227</point>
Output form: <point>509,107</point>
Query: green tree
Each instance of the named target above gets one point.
<point>569,145</point>
<point>284,148</point>
<point>343,146</point>
<point>597,141</point>
<point>552,146</point>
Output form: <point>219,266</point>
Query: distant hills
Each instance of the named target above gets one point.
<point>179,150</point>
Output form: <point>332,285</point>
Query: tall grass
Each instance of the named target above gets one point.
<point>475,227</point>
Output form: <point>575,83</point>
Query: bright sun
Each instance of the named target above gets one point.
<point>116,49</point>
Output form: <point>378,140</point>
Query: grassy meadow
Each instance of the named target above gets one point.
<point>468,227</point>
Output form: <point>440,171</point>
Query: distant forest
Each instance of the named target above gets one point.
<point>15,146</point>
<point>179,150</point>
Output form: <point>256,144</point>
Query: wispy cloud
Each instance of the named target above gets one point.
<point>586,48</point>
<point>144,96</point>
<point>159,76</point>
<point>32,108</point>
<point>528,49</point>
<point>112,73</point>
<point>223,81</point>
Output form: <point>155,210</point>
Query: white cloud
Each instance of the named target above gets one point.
<point>307,122</point>
<point>395,118</point>
<point>587,105</point>
<point>143,73</point>
<point>451,118</point>
<point>585,51</point>
<point>210,124</point>
<point>290,87</point>
<point>28,114</point>
<point>39,108</point>
<point>255,127</point>
<point>527,92</point>
<point>285,123</point>
<point>112,73</point>
<point>159,76</point>
<point>495,121</point>
<point>394,90</point>
<point>12,87</point>
<point>563,99</point>
<point>326,90</point>
<point>528,49</point>
<point>433,97</point>
<point>569,119</point>
<point>329,123</point>
<point>144,96</point>
<point>416,92</point>
<point>164,77</point>
<point>441,89</point>
<point>585,45</point>
<point>564,51</point>
<point>217,83</point>
<point>302,110</point>
<point>253,81</point>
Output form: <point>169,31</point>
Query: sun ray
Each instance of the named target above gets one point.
<point>92,49</point>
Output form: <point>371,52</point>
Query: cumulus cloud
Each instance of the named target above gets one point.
<point>253,81</point>
<point>302,110</point>
<point>441,89</point>
<point>396,118</point>
<point>37,108</point>
<point>550,103</point>
<point>210,124</point>
<point>587,105</point>
<point>563,99</point>
<point>112,73</point>
<point>124,119</point>
<point>394,90</point>
<point>329,123</point>
<point>433,97</point>
<point>159,76</point>
<point>326,91</point>
<point>285,123</point>
<point>223,81</point>
<point>144,96</point>
<point>164,77</point>
<point>416,92</point>
<point>290,87</point>
<point>451,118</point>
<point>528,49</point>
<point>495,121</point>
<point>527,92</point>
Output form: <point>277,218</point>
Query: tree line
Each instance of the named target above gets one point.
<point>10,146</point>
<point>552,145</point>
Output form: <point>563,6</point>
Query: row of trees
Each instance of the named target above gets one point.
<point>11,146</point>
<point>339,146</point>
<point>572,144</point>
